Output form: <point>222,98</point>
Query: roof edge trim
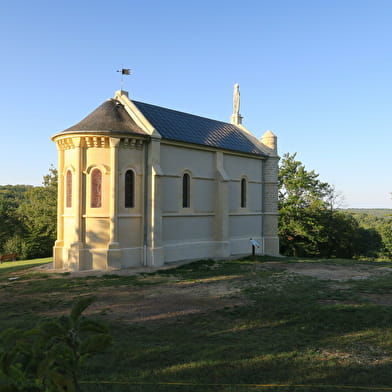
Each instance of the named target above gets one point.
<point>135,113</point>
<point>111,133</point>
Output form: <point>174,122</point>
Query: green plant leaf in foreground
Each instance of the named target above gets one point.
<point>48,357</point>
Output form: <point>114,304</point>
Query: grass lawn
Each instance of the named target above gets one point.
<point>12,266</point>
<point>262,325</point>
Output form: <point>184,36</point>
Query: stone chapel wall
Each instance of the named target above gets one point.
<point>187,232</point>
<point>194,232</point>
<point>245,222</point>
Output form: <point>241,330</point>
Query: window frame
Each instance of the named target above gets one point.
<point>129,189</point>
<point>186,190</point>
<point>244,193</point>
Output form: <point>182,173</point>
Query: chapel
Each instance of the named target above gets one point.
<point>143,185</point>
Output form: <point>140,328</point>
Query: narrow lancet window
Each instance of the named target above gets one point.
<point>186,191</point>
<point>130,189</point>
<point>96,188</point>
<point>243,193</point>
<point>68,189</point>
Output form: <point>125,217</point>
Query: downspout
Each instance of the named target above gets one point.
<point>262,205</point>
<point>145,202</point>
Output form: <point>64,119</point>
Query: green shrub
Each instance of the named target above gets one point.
<point>48,357</point>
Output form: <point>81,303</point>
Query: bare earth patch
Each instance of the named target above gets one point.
<point>173,298</point>
<point>165,302</point>
<point>341,275</point>
<point>332,272</point>
<point>156,301</point>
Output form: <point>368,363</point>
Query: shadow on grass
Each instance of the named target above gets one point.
<point>230,352</point>
<point>286,336</point>
<point>293,330</point>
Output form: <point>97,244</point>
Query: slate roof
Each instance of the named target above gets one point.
<point>188,128</point>
<point>110,117</point>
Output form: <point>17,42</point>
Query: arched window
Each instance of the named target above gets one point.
<point>68,189</point>
<point>96,188</point>
<point>243,193</point>
<point>186,191</point>
<point>129,189</point>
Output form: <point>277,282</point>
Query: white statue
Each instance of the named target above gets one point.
<point>236,99</point>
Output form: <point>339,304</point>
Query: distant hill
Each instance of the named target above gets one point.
<point>369,211</point>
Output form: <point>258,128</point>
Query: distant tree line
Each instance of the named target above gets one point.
<point>310,221</point>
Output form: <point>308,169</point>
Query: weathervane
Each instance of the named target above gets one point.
<point>124,71</point>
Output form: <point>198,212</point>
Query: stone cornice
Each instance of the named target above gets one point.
<point>70,142</point>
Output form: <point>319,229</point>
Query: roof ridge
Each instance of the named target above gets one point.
<point>188,114</point>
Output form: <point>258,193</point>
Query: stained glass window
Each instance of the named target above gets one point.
<point>68,189</point>
<point>96,188</point>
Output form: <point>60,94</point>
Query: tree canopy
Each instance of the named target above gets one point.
<point>28,218</point>
<point>310,223</point>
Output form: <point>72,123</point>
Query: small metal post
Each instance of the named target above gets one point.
<point>255,245</point>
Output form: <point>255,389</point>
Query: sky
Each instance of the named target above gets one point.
<point>317,73</point>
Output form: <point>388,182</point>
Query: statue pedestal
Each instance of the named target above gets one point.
<point>236,119</point>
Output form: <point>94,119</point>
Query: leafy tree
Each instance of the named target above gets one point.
<point>372,240</point>
<point>49,357</point>
<point>338,233</point>
<point>309,223</point>
<point>347,238</point>
<point>303,205</point>
<point>299,187</point>
<point>37,212</point>
<point>386,235</point>
<point>10,225</point>
<point>15,245</point>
